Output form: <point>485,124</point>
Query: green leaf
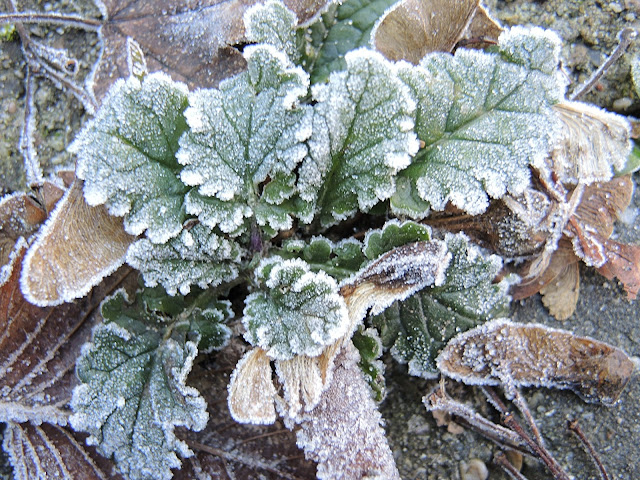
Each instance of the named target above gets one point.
<point>197,256</point>
<point>394,234</point>
<point>246,139</point>
<point>342,28</point>
<point>369,346</point>
<point>209,324</point>
<point>362,136</point>
<point>133,392</point>
<point>299,314</point>
<point>126,155</point>
<point>483,120</point>
<point>417,328</point>
<point>633,162</point>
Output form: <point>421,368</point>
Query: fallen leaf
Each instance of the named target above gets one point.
<point>191,41</point>
<point>515,355</point>
<point>51,451</point>
<point>77,247</point>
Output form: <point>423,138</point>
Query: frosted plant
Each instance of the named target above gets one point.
<point>280,190</point>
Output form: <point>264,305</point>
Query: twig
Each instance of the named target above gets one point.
<point>575,428</point>
<point>520,402</point>
<point>68,20</point>
<point>32,168</point>
<point>503,462</point>
<point>626,36</point>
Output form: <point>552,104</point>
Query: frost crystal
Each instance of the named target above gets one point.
<point>273,24</point>
<point>126,155</point>
<point>483,121</point>
<point>299,314</point>
<point>196,257</point>
<point>419,327</point>
<point>133,394</point>
<point>361,138</point>
<point>245,141</point>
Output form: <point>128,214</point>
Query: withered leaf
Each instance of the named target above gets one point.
<point>412,28</point>
<point>192,41</point>
<point>593,143</point>
<point>51,451</point>
<point>77,247</point>
<point>514,355</point>
<point>39,348</point>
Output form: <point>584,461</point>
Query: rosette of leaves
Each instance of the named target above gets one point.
<point>126,155</point>
<point>133,391</point>
<point>299,312</point>
<point>484,118</point>
<point>245,140</point>
<point>417,328</point>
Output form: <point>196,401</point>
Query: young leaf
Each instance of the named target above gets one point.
<point>484,118</point>
<point>361,138</point>
<point>369,346</point>
<point>126,155</point>
<point>394,234</point>
<point>196,257</point>
<point>299,314</point>
<point>343,28</point>
<point>516,355</point>
<point>133,392</point>
<point>245,141</point>
<point>274,24</point>
<point>417,328</point>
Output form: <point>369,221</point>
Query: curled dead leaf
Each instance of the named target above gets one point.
<point>514,355</point>
<point>302,382</point>
<point>77,247</point>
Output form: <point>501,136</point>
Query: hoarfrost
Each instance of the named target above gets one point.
<point>483,121</point>
<point>196,257</point>
<point>126,155</point>
<point>361,138</point>
<point>299,314</point>
<point>245,141</point>
<point>274,24</point>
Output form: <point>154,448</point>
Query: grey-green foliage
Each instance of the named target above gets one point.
<point>483,118</point>
<point>244,142</point>
<point>274,24</point>
<point>126,155</point>
<point>417,328</point>
<point>362,136</point>
<point>198,256</point>
<point>345,27</point>
<point>299,312</point>
<point>132,393</point>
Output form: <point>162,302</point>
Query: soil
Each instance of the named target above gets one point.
<point>422,449</point>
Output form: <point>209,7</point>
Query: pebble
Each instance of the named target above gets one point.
<point>474,469</point>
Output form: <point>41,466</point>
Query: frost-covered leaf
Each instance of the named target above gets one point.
<point>245,141</point>
<point>302,382</point>
<point>344,27</point>
<point>394,234</point>
<point>133,393</point>
<point>42,452</point>
<point>523,355</point>
<point>197,256</point>
<point>339,260</point>
<point>209,325</point>
<point>412,28</point>
<point>417,328</point>
<point>39,347</point>
<point>251,390</point>
<point>483,118</point>
<point>126,155</point>
<point>369,346</point>
<point>77,247</point>
<point>299,312</point>
<point>361,138</point>
<point>274,24</point>
<point>593,144</point>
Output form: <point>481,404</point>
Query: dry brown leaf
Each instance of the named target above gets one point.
<point>51,451</point>
<point>483,30</point>
<point>623,262</point>
<point>514,355</point>
<point>192,41</point>
<point>77,247</point>
<point>302,382</point>
<point>412,28</point>
<point>591,142</point>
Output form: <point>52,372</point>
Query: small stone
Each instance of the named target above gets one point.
<point>622,104</point>
<point>616,7</point>
<point>475,469</point>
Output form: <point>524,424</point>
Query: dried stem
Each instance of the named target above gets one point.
<point>626,36</point>
<point>67,20</point>
<point>32,168</point>
<point>575,428</point>
<point>503,462</point>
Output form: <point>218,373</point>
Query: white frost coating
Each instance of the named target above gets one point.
<point>362,135</point>
<point>274,24</point>
<point>534,47</point>
<point>248,130</point>
<point>300,314</point>
<point>126,155</point>
<point>16,252</point>
<point>483,119</point>
<point>196,257</point>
